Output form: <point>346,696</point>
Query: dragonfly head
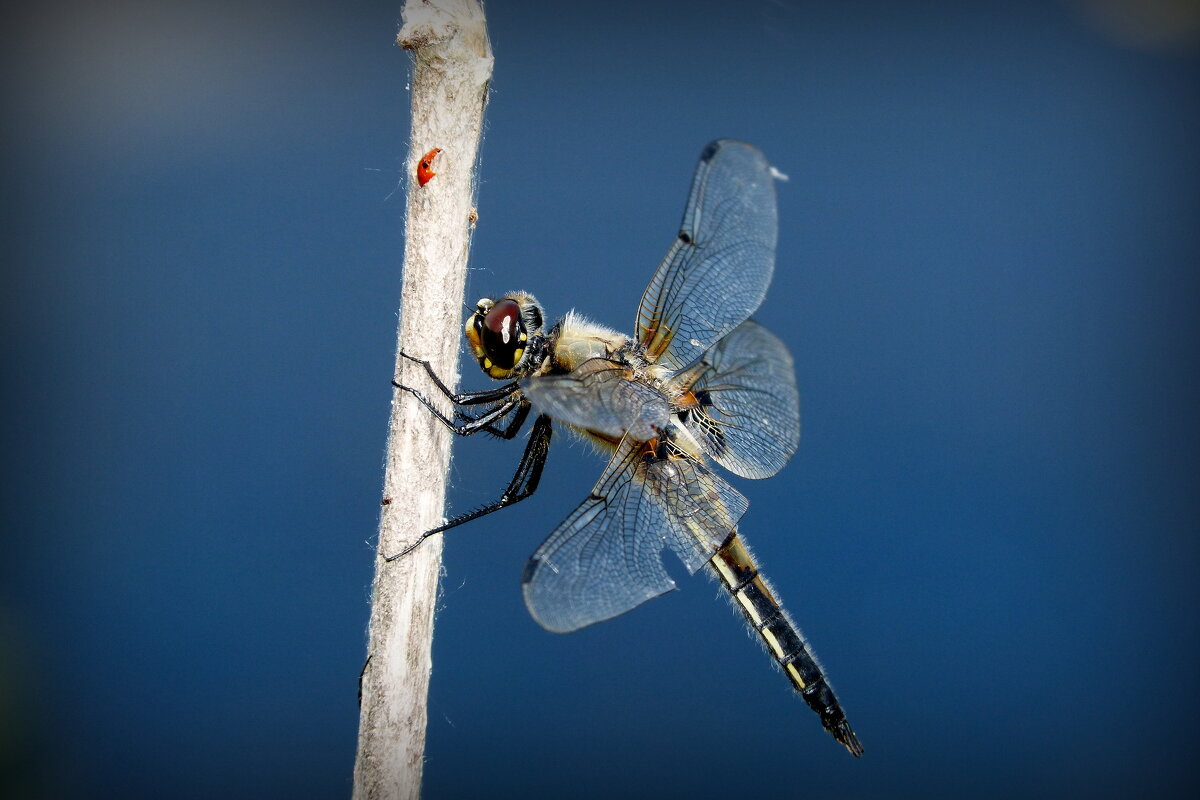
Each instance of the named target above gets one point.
<point>502,334</point>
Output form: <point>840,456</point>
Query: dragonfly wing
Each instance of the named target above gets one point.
<point>747,412</point>
<point>600,396</point>
<point>716,273</point>
<point>702,508</point>
<point>606,557</point>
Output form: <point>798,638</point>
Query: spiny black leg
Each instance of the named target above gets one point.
<point>508,433</point>
<point>461,398</point>
<point>523,484</point>
<point>473,424</point>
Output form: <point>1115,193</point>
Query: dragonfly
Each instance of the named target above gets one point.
<point>697,382</point>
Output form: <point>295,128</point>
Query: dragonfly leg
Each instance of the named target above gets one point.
<point>471,425</point>
<point>508,432</point>
<point>523,484</point>
<point>461,398</point>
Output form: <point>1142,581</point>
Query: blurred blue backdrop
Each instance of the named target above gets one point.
<point>987,275</point>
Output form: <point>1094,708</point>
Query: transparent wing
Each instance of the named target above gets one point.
<point>606,557</point>
<point>716,273</point>
<point>702,509</point>
<point>601,396</point>
<point>747,412</point>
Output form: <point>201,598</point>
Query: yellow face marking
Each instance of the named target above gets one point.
<point>522,337</point>
<point>520,351</point>
<point>772,642</point>
<point>487,363</point>
<point>473,336</point>
<point>795,675</point>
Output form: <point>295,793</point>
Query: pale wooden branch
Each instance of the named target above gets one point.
<point>452,65</point>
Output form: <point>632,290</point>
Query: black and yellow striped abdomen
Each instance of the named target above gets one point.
<point>751,593</point>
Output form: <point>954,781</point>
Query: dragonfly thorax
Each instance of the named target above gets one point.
<point>576,339</point>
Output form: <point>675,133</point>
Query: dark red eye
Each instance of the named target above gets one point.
<point>503,334</point>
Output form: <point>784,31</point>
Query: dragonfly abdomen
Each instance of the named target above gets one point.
<point>753,596</point>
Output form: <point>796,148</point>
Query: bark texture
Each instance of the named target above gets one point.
<point>452,65</point>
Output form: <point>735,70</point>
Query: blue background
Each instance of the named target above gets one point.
<point>987,275</point>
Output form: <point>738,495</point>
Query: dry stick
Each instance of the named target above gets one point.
<point>452,64</point>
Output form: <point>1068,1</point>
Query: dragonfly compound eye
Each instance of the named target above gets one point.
<point>503,336</point>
